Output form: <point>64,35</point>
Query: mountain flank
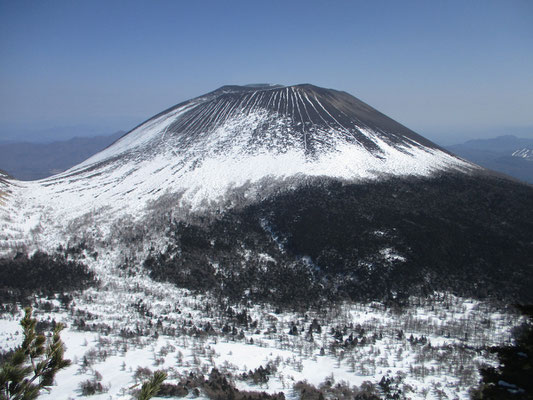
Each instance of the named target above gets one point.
<point>286,194</point>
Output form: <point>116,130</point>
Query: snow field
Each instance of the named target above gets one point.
<point>174,338</point>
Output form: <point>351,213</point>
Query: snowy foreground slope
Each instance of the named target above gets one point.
<point>211,183</point>
<point>431,349</point>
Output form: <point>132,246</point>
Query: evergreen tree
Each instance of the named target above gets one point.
<point>34,364</point>
<point>512,378</point>
<point>151,387</point>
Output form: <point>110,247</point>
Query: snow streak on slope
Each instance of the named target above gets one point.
<point>232,137</point>
<point>524,153</point>
<point>4,186</point>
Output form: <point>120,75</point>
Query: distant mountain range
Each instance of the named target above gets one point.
<point>30,161</point>
<point>508,154</point>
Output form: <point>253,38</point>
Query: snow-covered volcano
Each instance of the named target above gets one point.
<point>207,222</point>
<point>233,137</point>
<point>273,130</point>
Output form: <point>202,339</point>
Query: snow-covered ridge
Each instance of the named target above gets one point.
<point>524,153</point>
<point>226,139</point>
<point>4,184</point>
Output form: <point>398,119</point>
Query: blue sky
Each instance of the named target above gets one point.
<point>446,69</point>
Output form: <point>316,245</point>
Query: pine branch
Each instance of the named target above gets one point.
<point>151,388</point>
<point>33,361</point>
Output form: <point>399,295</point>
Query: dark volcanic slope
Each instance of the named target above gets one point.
<point>306,107</point>
<point>469,235</point>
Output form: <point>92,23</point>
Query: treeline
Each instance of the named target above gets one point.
<point>467,234</point>
<point>388,240</point>
<point>41,274</point>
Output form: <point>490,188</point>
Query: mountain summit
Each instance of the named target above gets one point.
<point>251,120</point>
